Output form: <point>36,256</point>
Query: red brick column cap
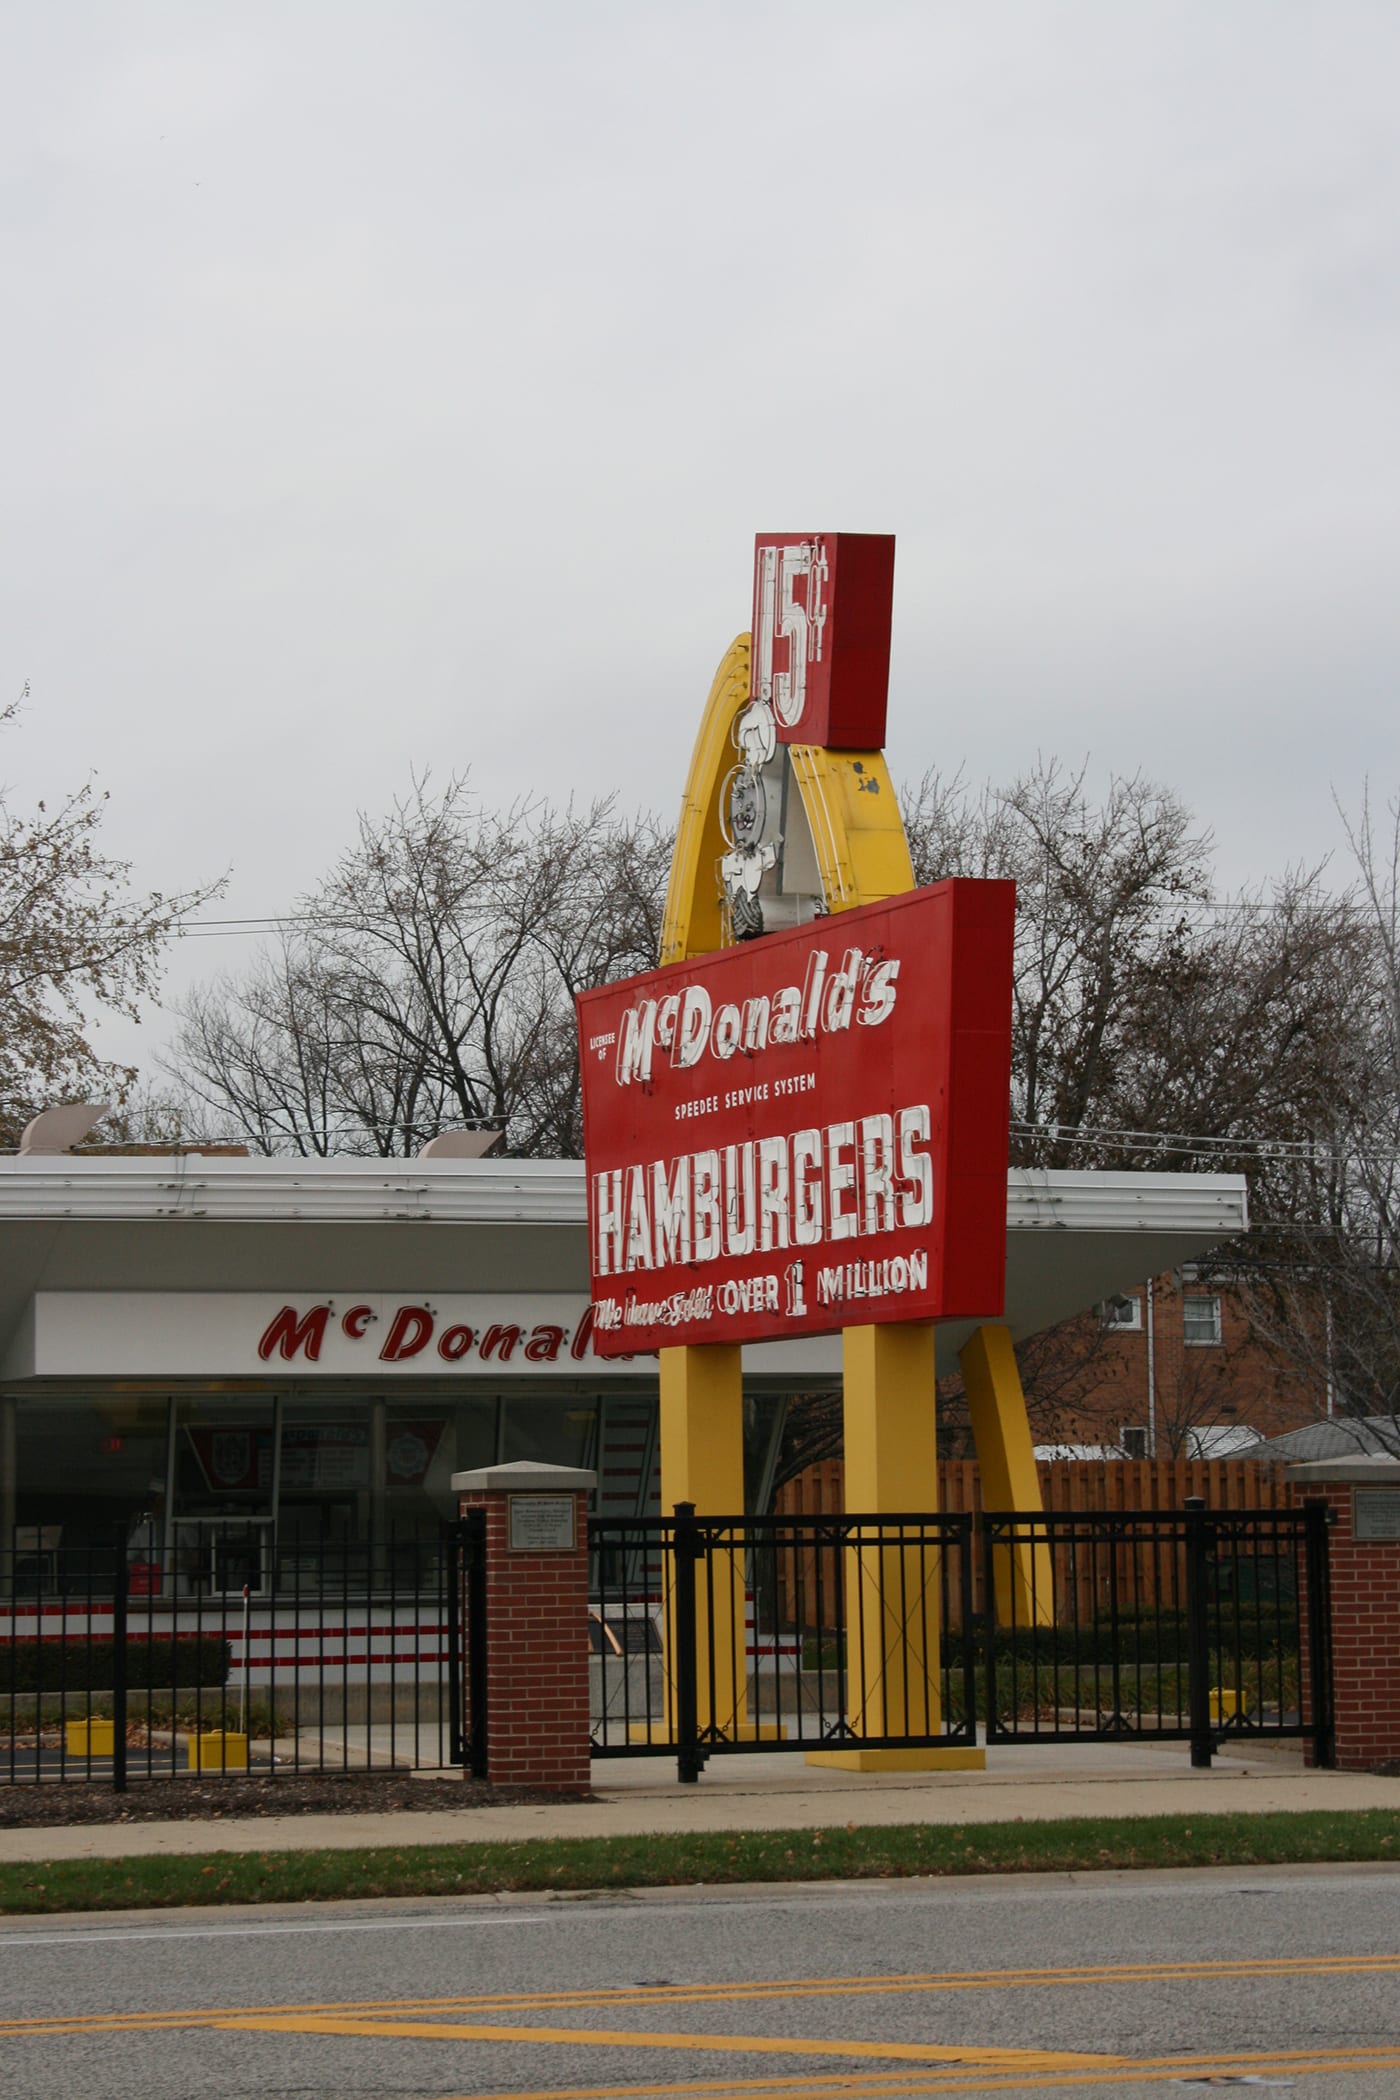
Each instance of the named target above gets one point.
<point>525,1476</point>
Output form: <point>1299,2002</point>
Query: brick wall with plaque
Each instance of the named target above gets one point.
<point>537,1644</point>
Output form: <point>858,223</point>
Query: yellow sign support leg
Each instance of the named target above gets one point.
<point>892,1592</point>
<point>702,1461</point>
<point>1001,1431</point>
<point>702,1429</point>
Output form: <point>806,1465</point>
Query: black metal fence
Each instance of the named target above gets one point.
<point>238,1655</point>
<point>831,1634</point>
<point>823,1633</point>
<point>1208,1626</point>
<point>845,1633</point>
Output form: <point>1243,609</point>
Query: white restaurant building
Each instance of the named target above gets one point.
<point>290,1355</point>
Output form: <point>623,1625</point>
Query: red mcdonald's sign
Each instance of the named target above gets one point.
<point>805,1132</point>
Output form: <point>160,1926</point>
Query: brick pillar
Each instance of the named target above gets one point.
<point>536,1621</point>
<point>1363,1503</point>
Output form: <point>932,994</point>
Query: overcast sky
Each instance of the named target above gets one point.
<point>391,386</point>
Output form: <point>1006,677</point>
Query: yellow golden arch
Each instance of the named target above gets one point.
<point>850,804</point>
<point>888,1371</point>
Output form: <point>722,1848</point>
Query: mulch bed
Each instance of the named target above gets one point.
<point>177,1800</point>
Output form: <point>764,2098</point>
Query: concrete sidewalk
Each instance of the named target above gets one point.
<point>772,1791</point>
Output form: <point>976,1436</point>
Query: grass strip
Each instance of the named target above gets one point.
<point>852,1853</point>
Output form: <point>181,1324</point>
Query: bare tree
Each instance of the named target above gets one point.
<point>1099,897</point>
<point>1153,1024</point>
<point>431,981</point>
<point>74,939</point>
<point>269,1055</point>
<point>1156,1026</point>
<point>1327,1287</point>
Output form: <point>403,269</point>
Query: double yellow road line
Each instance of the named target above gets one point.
<point>783,1988</point>
<point>496,2018</point>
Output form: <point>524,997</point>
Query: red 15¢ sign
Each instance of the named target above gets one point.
<point>806,1132</point>
<point>821,635</point>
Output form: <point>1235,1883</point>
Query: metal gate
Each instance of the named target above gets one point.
<point>242,1653</point>
<point>721,1634</point>
<point>835,1633</point>
<point>1199,1625</point>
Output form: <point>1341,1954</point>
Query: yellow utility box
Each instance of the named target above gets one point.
<point>90,1738</point>
<point>218,1752</point>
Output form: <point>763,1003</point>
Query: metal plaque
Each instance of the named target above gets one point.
<point>542,1523</point>
<point>1376,1514</point>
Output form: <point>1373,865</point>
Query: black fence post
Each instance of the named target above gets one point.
<point>1319,1610</point>
<point>474,1527</point>
<point>1198,1631</point>
<point>456,1543</point>
<point>989,1626</point>
<point>968,1631</point>
<point>685,1662</point>
<point>119,1661</point>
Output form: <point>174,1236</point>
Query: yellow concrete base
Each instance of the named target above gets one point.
<point>90,1738</point>
<point>218,1753</point>
<point>901,1760</point>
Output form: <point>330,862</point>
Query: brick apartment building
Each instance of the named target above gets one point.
<point>1174,1367</point>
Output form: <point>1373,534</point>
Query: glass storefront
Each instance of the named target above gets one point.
<point>214,1478</point>
<point>553,1432</point>
<point>212,1491</point>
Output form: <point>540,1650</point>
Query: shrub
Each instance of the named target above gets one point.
<point>160,1661</point>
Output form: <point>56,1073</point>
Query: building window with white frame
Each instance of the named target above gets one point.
<point>1201,1319</point>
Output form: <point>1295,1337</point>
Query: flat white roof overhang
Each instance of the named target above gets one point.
<point>314,1227</point>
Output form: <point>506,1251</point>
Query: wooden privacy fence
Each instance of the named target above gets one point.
<point>1144,1572</point>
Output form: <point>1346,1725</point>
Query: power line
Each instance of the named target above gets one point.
<point>1143,1142</point>
<point>1137,1143</point>
<point>1176,1140</point>
<point>1223,910</point>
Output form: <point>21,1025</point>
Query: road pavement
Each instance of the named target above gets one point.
<point>1132,1984</point>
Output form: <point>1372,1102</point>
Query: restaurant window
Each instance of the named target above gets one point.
<point>225,1466</point>
<point>356,1471</point>
<point>557,1432</point>
<point>87,1468</point>
<point>426,1441</point>
<point>324,1487</point>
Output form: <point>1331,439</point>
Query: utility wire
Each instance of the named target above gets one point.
<point>1224,910</point>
